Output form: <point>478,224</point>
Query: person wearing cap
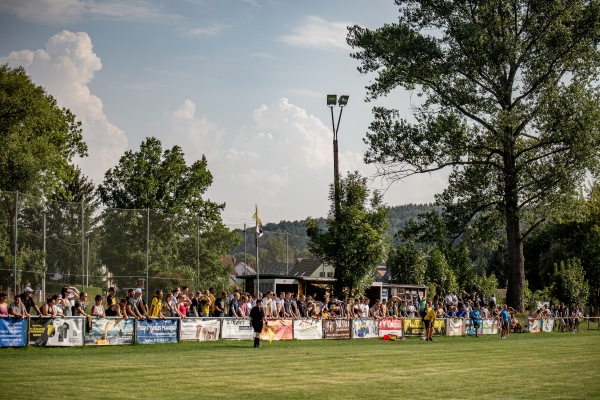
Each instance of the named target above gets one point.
<point>17,309</point>
<point>139,303</point>
<point>28,301</point>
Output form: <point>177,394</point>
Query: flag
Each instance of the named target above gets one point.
<point>259,230</point>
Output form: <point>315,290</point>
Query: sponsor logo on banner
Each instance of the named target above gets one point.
<point>336,329</point>
<point>13,332</point>
<point>364,328</point>
<point>60,332</point>
<point>534,325</point>
<point>454,327</point>
<point>110,332</point>
<point>156,331</point>
<point>390,326</point>
<point>308,329</point>
<point>279,329</point>
<point>199,329</point>
<point>490,326</point>
<point>237,329</point>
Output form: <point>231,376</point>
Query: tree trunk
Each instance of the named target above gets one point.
<point>516,268</point>
<point>516,265</point>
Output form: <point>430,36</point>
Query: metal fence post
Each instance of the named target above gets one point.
<point>16,223</point>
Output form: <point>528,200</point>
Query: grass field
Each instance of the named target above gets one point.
<point>545,365</point>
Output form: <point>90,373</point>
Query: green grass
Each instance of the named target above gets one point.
<point>544,365</point>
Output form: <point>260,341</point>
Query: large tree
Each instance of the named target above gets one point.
<point>355,241</point>
<point>186,235</point>
<point>509,104</point>
<point>38,142</point>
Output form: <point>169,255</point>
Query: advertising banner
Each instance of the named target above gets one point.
<point>305,329</point>
<point>13,332</point>
<point>236,329</point>
<point>279,329</point>
<point>110,332</point>
<point>364,328</point>
<point>390,326</point>
<point>534,325</point>
<point>416,327</point>
<point>152,331</point>
<point>454,327</point>
<point>60,332</point>
<point>336,328</point>
<point>490,326</point>
<point>199,329</point>
<point>413,327</point>
<point>470,328</point>
<point>547,325</point>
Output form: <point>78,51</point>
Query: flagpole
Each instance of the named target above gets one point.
<point>257,268</point>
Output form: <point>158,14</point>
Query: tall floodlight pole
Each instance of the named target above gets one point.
<point>332,100</point>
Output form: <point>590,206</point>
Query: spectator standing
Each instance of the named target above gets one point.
<point>81,305</point>
<point>112,307</point>
<point>28,301</point>
<point>98,309</point>
<point>301,305</point>
<point>181,307</point>
<point>234,306</point>
<point>220,305</point>
<point>139,303</point>
<point>49,309</point>
<point>212,298</point>
<point>167,307</point>
<point>194,310</point>
<point>375,311</point>
<point>17,308</point>
<point>3,305</point>
<point>131,309</point>
<point>156,305</point>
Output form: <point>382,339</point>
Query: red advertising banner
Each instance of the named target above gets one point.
<point>390,326</point>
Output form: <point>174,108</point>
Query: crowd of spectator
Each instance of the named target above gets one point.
<point>183,303</point>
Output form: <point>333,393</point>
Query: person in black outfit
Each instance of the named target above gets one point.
<point>257,315</point>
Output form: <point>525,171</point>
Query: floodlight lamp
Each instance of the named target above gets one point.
<point>343,100</point>
<point>331,100</point>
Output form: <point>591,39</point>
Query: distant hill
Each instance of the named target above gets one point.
<point>296,230</point>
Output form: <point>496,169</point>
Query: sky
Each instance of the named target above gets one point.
<point>243,82</point>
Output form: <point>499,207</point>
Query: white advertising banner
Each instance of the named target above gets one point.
<point>305,329</point>
<point>236,329</point>
<point>199,329</point>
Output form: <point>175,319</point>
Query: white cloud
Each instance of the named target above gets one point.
<point>65,68</point>
<point>210,30</point>
<point>197,132</point>
<point>317,33</point>
<point>62,11</point>
<point>282,161</point>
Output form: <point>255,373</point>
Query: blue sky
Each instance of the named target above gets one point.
<point>241,81</point>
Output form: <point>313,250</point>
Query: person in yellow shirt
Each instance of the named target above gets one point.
<point>211,297</point>
<point>156,305</point>
<point>429,319</point>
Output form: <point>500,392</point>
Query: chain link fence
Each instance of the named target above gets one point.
<point>47,245</point>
